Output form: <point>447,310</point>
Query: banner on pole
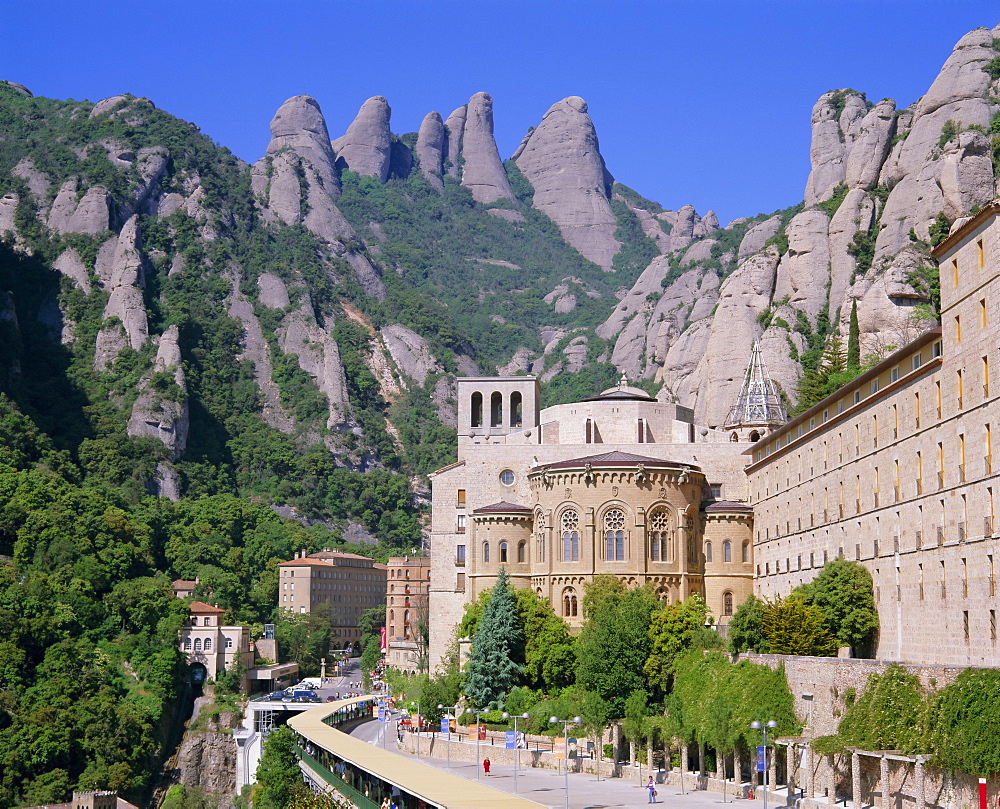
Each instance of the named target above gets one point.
<point>761,759</point>
<point>510,740</point>
<point>445,724</point>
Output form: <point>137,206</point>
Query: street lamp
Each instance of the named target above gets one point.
<point>417,703</point>
<point>566,723</point>
<point>517,750</point>
<point>758,726</point>
<point>478,713</point>
<point>453,709</point>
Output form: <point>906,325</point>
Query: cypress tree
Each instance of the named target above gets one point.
<point>497,645</point>
<point>854,338</point>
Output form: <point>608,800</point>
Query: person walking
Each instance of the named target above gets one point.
<point>486,766</point>
<point>651,788</point>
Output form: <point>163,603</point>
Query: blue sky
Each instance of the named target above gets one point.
<point>706,103</point>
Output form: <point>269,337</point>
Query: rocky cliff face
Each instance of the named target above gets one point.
<point>879,177</point>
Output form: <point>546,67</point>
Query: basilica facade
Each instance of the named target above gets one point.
<point>621,483</point>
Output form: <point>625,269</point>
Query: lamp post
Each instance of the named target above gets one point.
<point>454,710</point>
<point>758,726</point>
<point>478,713</point>
<point>565,723</point>
<point>517,750</point>
<point>417,703</point>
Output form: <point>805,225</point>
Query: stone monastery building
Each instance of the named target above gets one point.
<point>894,470</point>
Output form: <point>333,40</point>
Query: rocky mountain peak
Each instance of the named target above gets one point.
<point>561,158</point>
<point>430,148</point>
<point>367,144</point>
<point>482,170</point>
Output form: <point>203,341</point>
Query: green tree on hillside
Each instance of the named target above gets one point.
<point>279,778</point>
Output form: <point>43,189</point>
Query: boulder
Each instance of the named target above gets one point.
<point>871,146</point>
<point>706,226</point>
<point>38,183</point>
<point>256,348</point>
<point>805,268</point>
<point>410,352</point>
<point>71,214</point>
<point>8,205</point>
<point>453,129</point>
<point>828,148</point>
<point>561,159</point>
<point>71,265</point>
<point>125,321</point>
<point>319,356</point>
<point>430,149</point>
<point>754,238</point>
<point>273,292</point>
<point>161,414</point>
<point>105,105</point>
<point>366,146</point>
<point>482,171</point>
<point>962,75</point>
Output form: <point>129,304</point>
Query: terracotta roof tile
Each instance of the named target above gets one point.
<point>503,507</point>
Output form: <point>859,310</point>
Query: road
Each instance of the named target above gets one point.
<point>548,787</point>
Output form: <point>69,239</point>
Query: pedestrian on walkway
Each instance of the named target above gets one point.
<point>651,787</point>
<point>486,766</point>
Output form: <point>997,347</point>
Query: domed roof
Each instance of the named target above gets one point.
<point>622,391</point>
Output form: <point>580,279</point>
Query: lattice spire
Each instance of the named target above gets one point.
<point>759,403</point>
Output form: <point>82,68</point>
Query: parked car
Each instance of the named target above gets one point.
<point>276,696</point>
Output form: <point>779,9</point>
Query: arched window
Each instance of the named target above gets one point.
<point>734,438</point>
<point>590,432</point>
<point>187,644</point>
<point>520,551</point>
<point>486,552</point>
<point>727,551</point>
<point>503,551</point>
<point>614,535</point>
<point>708,551</point>
<point>197,644</point>
<point>208,644</point>
<point>659,532</point>
<point>406,625</point>
<point>755,436</point>
<point>571,536</point>
<point>477,410</point>
<point>727,603</point>
<point>496,409</point>
<point>229,643</point>
<point>516,410</point>
<point>392,616</point>
<point>569,603</point>
<point>746,552</point>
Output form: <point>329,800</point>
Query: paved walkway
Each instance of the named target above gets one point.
<point>585,792</point>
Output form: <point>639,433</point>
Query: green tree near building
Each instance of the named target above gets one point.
<point>672,629</point>
<point>795,627</point>
<point>854,338</point>
<point>614,644</point>
<point>746,630</point>
<point>496,647</point>
<point>844,593</point>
